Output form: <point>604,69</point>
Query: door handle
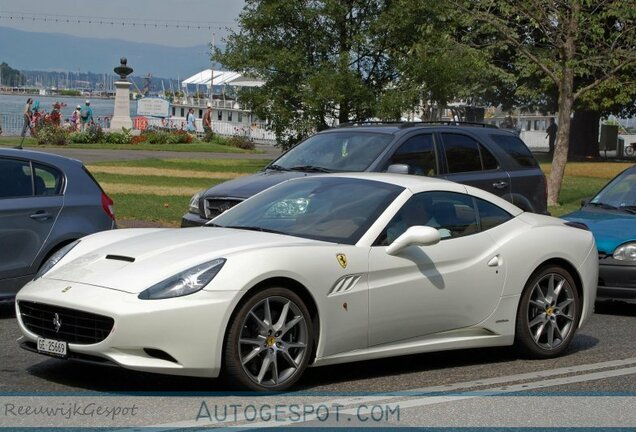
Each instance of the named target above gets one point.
<point>494,261</point>
<point>500,185</point>
<point>41,215</point>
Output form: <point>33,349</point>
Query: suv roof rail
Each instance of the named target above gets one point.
<point>449,123</point>
<point>370,122</point>
<point>407,124</point>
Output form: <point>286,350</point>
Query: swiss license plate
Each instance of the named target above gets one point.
<point>52,347</point>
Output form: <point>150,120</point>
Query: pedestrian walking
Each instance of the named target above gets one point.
<point>28,117</point>
<point>75,118</point>
<point>86,116</point>
<point>551,133</point>
<point>190,120</point>
<point>207,120</point>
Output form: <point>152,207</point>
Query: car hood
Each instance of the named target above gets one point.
<point>610,229</point>
<point>245,187</point>
<point>137,261</point>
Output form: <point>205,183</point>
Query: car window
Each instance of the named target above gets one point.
<point>490,215</point>
<point>418,153</point>
<point>620,192</point>
<point>453,214</point>
<point>346,151</point>
<point>15,178</point>
<point>516,149</point>
<point>462,153</point>
<point>47,180</point>
<point>488,160</point>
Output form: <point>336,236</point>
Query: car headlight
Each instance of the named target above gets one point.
<point>184,283</point>
<point>193,207</point>
<point>54,259</point>
<point>626,252</point>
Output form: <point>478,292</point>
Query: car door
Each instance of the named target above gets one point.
<point>469,162</point>
<point>28,210</point>
<point>430,289</point>
<point>418,153</point>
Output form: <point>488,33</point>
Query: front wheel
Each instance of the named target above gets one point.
<point>548,313</point>
<point>269,341</point>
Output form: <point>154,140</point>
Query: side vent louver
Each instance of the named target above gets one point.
<point>344,284</point>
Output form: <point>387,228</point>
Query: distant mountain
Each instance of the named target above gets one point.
<point>58,52</point>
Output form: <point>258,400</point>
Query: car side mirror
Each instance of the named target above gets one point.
<point>414,236</point>
<point>398,169</point>
<point>585,201</point>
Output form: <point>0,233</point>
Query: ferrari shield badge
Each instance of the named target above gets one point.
<point>342,260</point>
<point>66,289</point>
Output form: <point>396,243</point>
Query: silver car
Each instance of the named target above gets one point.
<point>46,202</point>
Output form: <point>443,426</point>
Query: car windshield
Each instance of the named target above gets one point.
<point>332,209</point>
<point>346,151</point>
<point>619,194</point>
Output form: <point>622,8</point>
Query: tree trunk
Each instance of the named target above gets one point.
<point>560,157</point>
<point>584,134</point>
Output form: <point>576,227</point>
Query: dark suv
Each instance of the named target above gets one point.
<point>475,154</point>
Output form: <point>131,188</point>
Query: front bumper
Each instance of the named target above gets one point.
<point>189,329</point>
<point>616,280</point>
<point>192,220</point>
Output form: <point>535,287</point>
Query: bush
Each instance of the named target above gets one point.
<point>209,136</point>
<point>51,135</point>
<point>138,139</point>
<point>79,138</point>
<point>241,142</point>
<point>123,137</point>
<point>95,134</point>
<point>167,137</point>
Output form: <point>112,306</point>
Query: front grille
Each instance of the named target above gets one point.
<point>63,324</point>
<point>214,206</point>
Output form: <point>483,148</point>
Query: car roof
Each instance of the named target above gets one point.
<point>405,127</point>
<point>38,156</point>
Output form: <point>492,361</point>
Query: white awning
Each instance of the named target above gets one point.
<point>208,76</point>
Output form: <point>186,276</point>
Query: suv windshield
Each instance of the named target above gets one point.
<point>333,209</point>
<point>346,151</point>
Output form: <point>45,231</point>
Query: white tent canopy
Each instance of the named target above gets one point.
<point>216,77</point>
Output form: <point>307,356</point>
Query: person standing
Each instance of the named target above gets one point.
<point>28,117</point>
<point>551,133</point>
<point>75,118</point>
<point>207,120</point>
<point>86,116</point>
<point>190,120</point>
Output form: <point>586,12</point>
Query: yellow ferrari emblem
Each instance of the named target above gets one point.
<point>342,260</point>
<point>66,289</point>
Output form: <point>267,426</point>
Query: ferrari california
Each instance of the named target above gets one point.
<point>317,271</point>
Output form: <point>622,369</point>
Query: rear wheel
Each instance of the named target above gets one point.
<point>269,341</point>
<point>548,313</point>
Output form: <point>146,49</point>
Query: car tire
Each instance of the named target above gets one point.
<point>548,314</point>
<point>264,350</point>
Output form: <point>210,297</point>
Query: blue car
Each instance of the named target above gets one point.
<point>611,216</point>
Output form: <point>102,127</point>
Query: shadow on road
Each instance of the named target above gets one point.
<point>615,308</point>
<point>7,310</point>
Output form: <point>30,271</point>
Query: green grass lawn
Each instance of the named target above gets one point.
<point>192,147</point>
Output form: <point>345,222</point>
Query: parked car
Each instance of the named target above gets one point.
<point>46,202</point>
<point>611,216</point>
<point>319,270</point>
<point>475,154</point>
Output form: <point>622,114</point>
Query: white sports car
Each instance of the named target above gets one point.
<point>317,271</point>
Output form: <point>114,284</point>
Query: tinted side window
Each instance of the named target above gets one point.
<point>418,153</point>
<point>516,149</point>
<point>15,178</point>
<point>47,180</point>
<point>489,161</point>
<point>462,153</point>
<point>453,215</point>
<point>490,215</point>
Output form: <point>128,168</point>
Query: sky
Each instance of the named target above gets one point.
<point>30,15</point>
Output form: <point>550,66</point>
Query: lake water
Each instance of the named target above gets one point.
<point>14,104</point>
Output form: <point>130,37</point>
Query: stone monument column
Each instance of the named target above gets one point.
<point>121,117</point>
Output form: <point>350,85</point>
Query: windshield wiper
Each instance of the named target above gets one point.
<point>603,205</point>
<point>277,168</point>
<point>255,228</point>
<point>310,168</point>
<point>213,225</point>
<point>629,209</point>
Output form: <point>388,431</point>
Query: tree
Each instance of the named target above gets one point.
<point>10,76</point>
<point>578,45</point>
<point>321,61</point>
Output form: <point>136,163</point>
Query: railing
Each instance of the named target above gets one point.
<point>12,124</point>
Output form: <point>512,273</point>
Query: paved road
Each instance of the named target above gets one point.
<point>96,155</point>
<point>476,387</point>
